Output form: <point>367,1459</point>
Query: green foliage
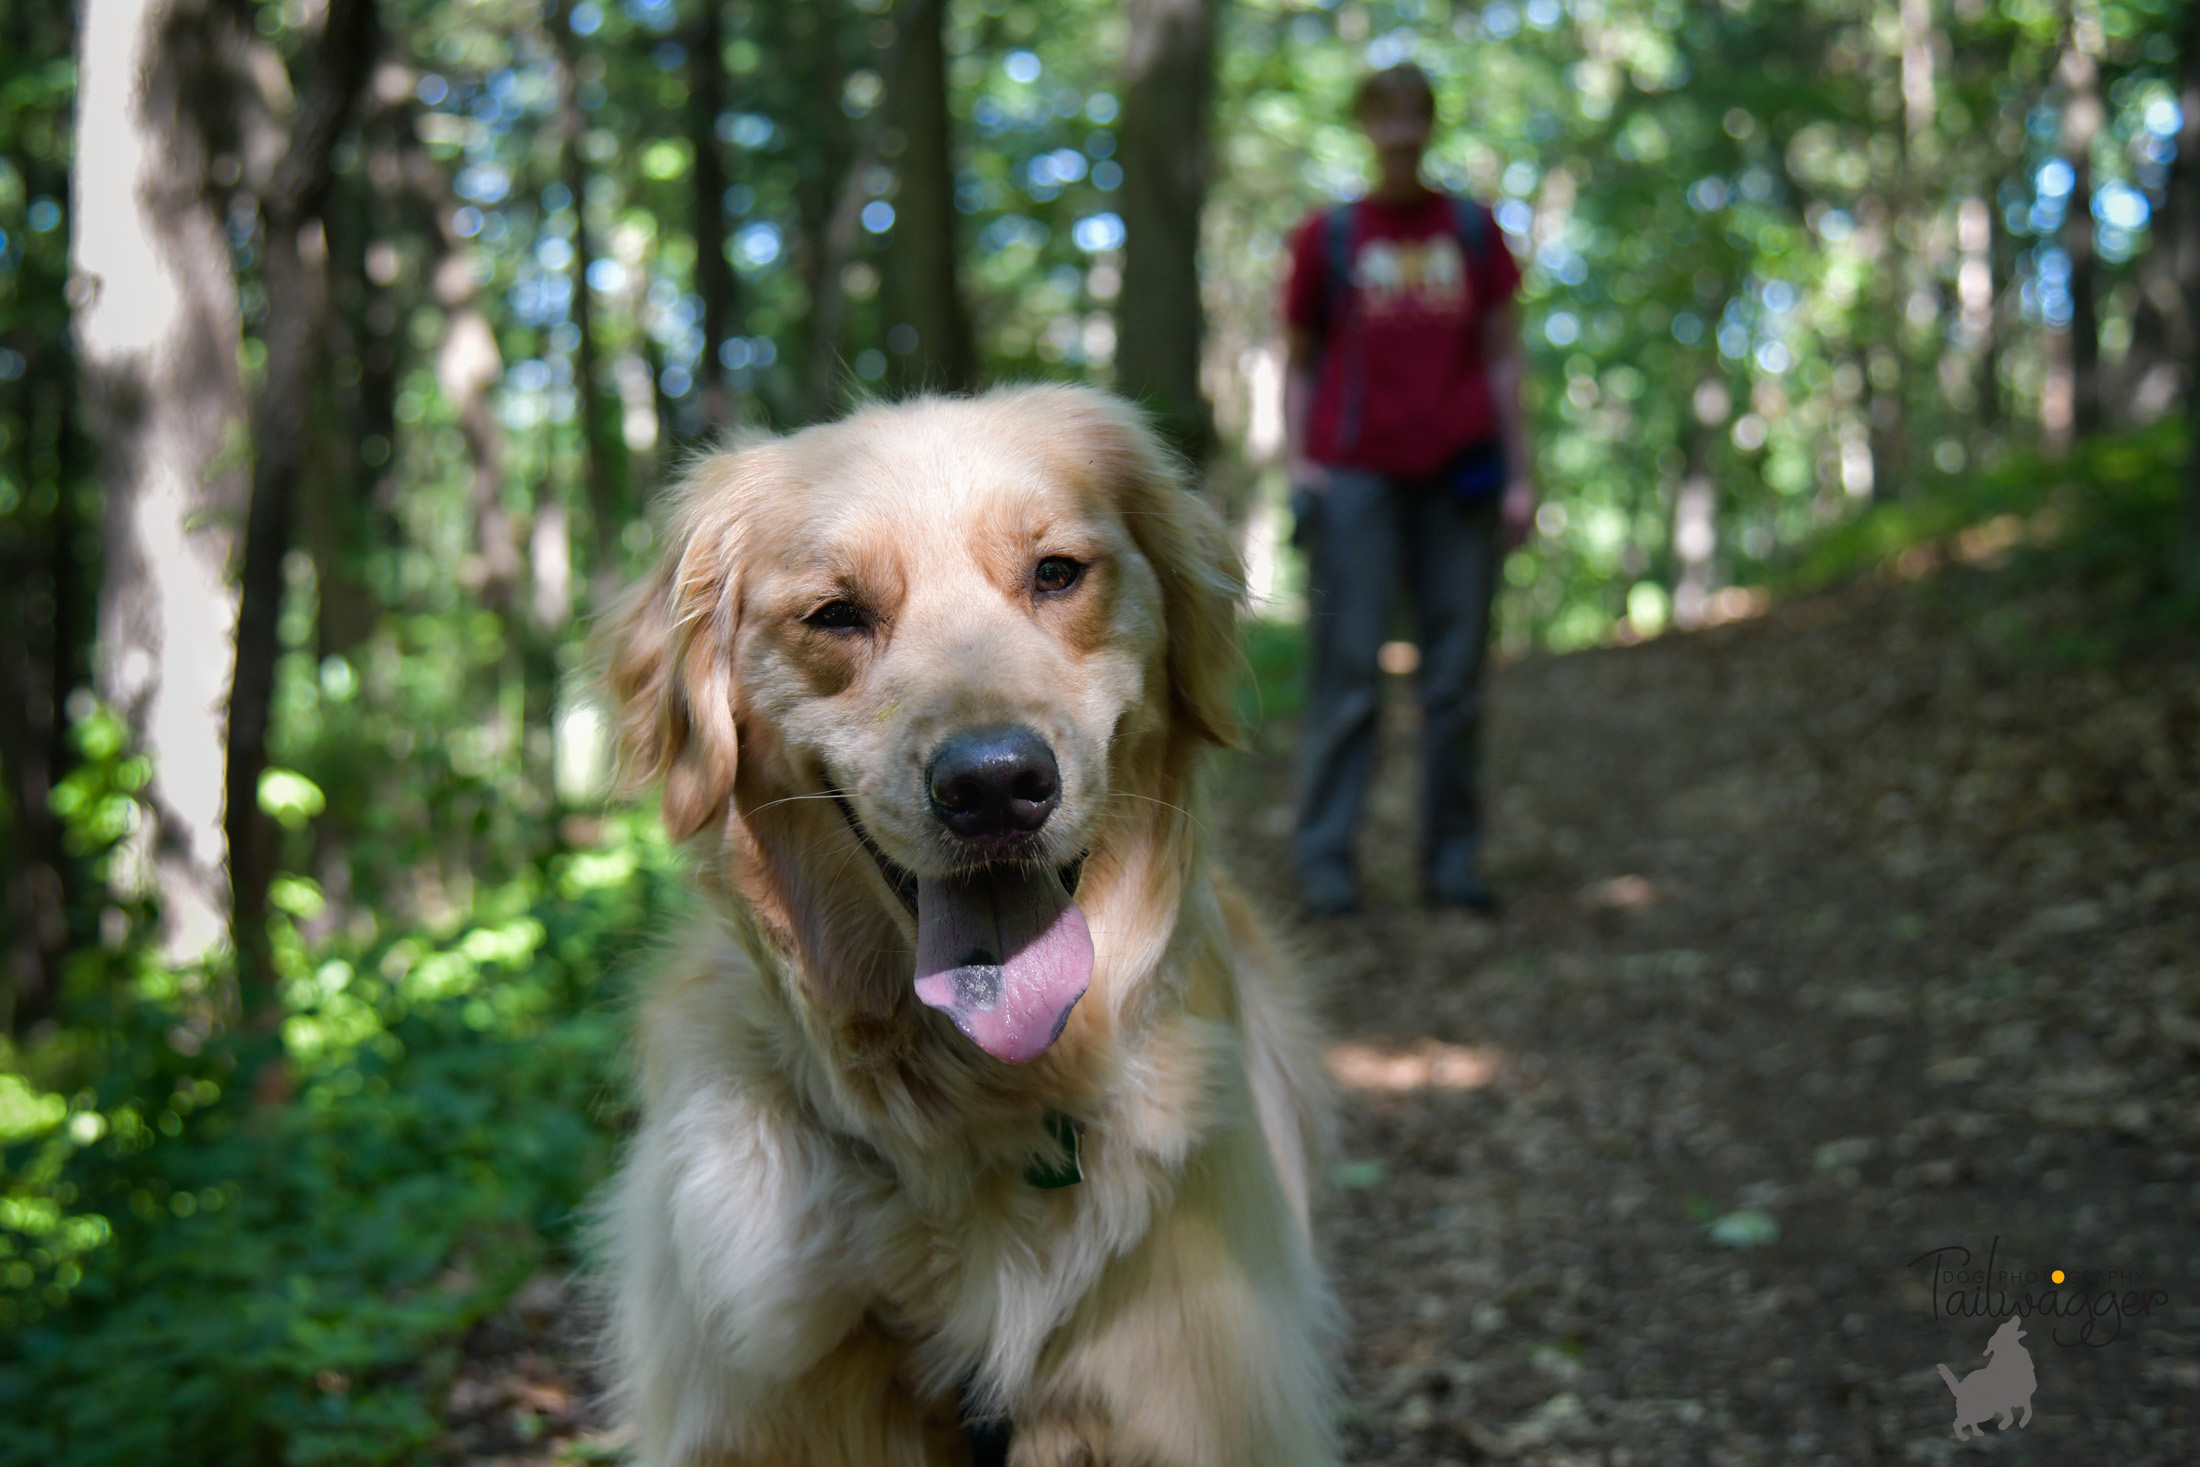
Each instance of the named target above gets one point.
<point>2093,540</point>
<point>96,801</point>
<point>1275,659</point>
<point>278,1241</point>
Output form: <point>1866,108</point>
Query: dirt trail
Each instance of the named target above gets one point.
<point>1837,932</point>
<point>1850,933</point>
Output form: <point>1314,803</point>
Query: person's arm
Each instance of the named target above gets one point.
<point>1299,368</point>
<point>1505,364</point>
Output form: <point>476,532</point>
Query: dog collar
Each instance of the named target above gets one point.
<point>1065,1168</point>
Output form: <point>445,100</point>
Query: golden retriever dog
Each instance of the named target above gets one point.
<point>977,1095</point>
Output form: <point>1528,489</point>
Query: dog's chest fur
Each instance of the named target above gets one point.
<point>928,1230</point>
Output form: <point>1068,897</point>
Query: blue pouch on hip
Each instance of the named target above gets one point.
<point>1477,473</point>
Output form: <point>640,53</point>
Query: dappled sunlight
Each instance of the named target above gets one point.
<point>1426,1064</point>
<point>1399,659</point>
<point>1983,546</point>
<point>1736,603</point>
<point>1620,894</point>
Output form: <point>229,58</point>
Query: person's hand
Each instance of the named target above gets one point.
<point>1518,512</point>
<point>1306,474</point>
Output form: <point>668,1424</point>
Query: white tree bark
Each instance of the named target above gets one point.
<point>157,333</point>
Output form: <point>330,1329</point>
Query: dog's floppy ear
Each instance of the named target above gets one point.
<point>667,653</point>
<point>1195,556</point>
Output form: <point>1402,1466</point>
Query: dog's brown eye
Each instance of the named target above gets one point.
<point>839,616</point>
<point>1058,573</point>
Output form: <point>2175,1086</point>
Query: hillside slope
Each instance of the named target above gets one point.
<point>1835,938</point>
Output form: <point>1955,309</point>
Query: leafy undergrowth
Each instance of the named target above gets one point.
<point>2089,544</point>
<point>270,1246</point>
<point>1274,676</point>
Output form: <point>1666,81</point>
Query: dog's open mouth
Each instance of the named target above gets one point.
<point>1001,949</point>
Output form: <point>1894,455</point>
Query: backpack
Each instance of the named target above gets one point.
<point>1470,225</point>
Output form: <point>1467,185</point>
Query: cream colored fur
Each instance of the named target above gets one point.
<point>823,1232</point>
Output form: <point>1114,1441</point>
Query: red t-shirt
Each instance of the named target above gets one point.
<point>1401,388</point>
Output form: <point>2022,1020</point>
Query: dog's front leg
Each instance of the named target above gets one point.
<point>1203,1347</point>
<point>738,1331</point>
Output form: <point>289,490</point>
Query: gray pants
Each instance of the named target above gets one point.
<point>1366,532</point>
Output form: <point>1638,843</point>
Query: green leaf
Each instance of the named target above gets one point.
<point>290,798</point>
<point>1747,1228</point>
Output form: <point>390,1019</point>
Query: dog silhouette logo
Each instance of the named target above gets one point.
<point>2002,1388</point>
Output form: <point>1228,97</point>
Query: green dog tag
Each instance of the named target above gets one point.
<point>1064,1169</point>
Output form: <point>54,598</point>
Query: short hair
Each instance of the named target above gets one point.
<point>1402,85</point>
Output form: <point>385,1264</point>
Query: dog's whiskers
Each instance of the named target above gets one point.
<point>790,799</point>
<point>1202,826</point>
<point>1151,800</point>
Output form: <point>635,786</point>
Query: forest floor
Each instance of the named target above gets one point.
<point>1833,938</point>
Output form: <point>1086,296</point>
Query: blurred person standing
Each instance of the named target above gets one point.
<point>1409,463</point>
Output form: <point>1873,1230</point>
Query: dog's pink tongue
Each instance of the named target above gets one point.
<point>1005,954</point>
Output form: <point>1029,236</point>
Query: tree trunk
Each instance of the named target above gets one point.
<point>42,622</point>
<point>379,338</point>
<point>599,468</point>
<point>1695,534</point>
<point>2001,313</point>
<point>666,409</point>
<point>1168,84</point>
<point>2082,119</point>
<point>828,201</point>
<point>829,306</point>
<point>2085,316</point>
<point>1975,297</point>
<point>1919,104</point>
<point>1890,435</point>
<point>1911,270</point>
<point>294,274</point>
<point>468,363</point>
<point>35,915</point>
<point>353,413</point>
<point>157,332</point>
<point>714,282</point>
<point>2184,190</point>
<point>922,286</point>
<point>39,657</point>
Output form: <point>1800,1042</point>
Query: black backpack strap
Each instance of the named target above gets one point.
<point>1337,323</point>
<point>1471,222</point>
<point>1336,268</point>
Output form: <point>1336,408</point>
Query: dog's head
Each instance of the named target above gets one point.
<point>917,663</point>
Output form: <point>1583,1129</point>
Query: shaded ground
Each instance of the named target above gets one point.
<point>1852,921</point>
<point>1840,936</point>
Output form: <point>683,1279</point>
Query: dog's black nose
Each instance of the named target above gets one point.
<point>994,783</point>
